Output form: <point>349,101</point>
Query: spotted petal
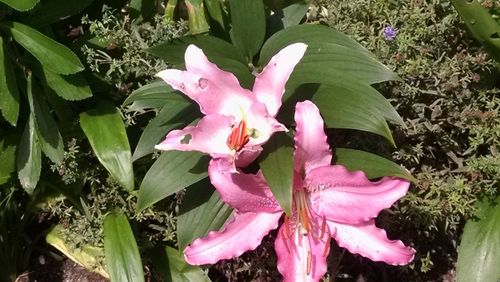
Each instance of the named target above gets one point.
<point>300,259</point>
<point>215,90</point>
<point>244,192</point>
<point>371,242</point>
<point>243,233</point>
<point>270,83</point>
<point>208,136</point>
<point>349,197</point>
<point>311,147</point>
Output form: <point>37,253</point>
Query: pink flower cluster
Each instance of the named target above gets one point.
<point>328,200</point>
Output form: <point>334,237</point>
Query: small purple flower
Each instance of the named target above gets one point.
<point>390,33</point>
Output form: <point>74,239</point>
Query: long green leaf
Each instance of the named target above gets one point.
<point>276,163</point>
<point>173,115</point>
<point>9,94</point>
<point>122,254</point>
<point>8,145</point>
<point>69,87</point>
<point>53,55</point>
<point>172,171</point>
<point>373,165</point>
<point>105,130</point>
<point>21,5</point>
<point>201,211</point>
<point>29,157</point>
<point>170,265</point>
<point>47,132</point>
<point>154,95</point>
<point>479,251</point>
<point>350,112</point>
<point>248,25</point>
<point>329,54</point>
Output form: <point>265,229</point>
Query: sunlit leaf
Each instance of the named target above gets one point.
<point>479,251</point>
<point>372,165</point>
<point>29,157</point>
<point>248,25</point>
<point>9,94</point>
<point>105,130</point>
<point>21,5</point>
<point>172,171</point>
<point>52,54</point>
<point>123,260</point>
<point>276,163</point>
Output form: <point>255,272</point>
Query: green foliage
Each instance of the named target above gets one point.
<point>277,167</point>
<point>123,260</point>
<point>105,130</point>
<point>479,251</point>
<point>482,25</point>
<point>116,51</point>
<point>449,102</point>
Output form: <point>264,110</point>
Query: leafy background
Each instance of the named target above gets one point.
<point>67,133</point>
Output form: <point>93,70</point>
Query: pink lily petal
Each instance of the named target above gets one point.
<point>243,233</point>
<point>215,90</point>
<point>349,197</point>
<point>270,83</point>
<point>262,125</point>
<point>311,147</point>
<point>247,155</point>
<point>301,259</point>
<point>208,136</point>
<point>371,242</point>
<point>244,192</point>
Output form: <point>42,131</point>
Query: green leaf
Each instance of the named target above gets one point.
<point>350,112</point>
<point>8,156</point>
<point>288,16</point>
<point>248,25</point>
<point>170,265</point>
<point>55,10</point>
<point>9,95</point>
<point>53,55</point>
<point>213,47</point>
<point>29,157</point>
<point>172,171</point>
<point>172,116</point>
<point>71,87</point>
<point>481,23</point>
<point>154,95</point>
<point>215,10</point>
<point>201,211</point>
<point>373,165</point>
<point>105,130</point>
<point>21,5</point>
<point>46,128</point>
<point>276,163</point>
<point>329,54</point>
<point>479,251</point>
<point>122,254</point>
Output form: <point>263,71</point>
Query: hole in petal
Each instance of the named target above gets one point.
<point>203,83</point>
<point>186,139</point>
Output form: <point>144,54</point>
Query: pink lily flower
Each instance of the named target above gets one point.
<point>328,202</point>
<point>237,121</point>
